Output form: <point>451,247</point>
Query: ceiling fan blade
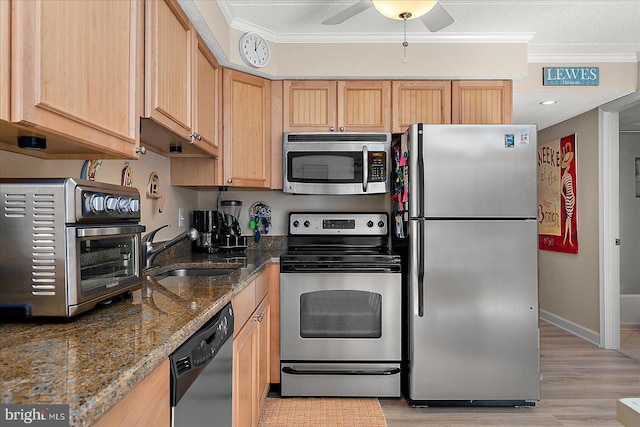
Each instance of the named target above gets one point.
<point>348,13</point>
<point>437,18</point>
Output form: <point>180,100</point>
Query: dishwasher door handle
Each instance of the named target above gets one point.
<point>292,371</point>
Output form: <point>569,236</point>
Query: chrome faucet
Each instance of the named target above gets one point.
<point>150,252</point>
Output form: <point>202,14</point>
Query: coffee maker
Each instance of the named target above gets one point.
<point>208,225</point>
<point>231,238</point>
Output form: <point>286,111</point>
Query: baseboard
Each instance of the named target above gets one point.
<point>571,327</point>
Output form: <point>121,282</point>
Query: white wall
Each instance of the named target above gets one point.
<point>14,165</point>
<point>569,287</point>
<point>629,215</point>
<point>281,204</point>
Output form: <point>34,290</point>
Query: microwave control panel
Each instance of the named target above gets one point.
<point>377,166</point>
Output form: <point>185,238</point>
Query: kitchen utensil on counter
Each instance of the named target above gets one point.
<point>231,238</point>
<point>207,223</point>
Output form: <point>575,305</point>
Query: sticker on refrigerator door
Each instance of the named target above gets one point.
<point>509,140</point>
<point>524,137</point>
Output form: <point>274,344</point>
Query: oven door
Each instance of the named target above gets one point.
<point>335,317</point>
<point>102,261</point>
<point>335,168</point>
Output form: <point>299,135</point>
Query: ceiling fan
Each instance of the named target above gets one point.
<point>430,12</point>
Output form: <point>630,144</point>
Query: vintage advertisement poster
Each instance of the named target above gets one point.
<point>557,196</point>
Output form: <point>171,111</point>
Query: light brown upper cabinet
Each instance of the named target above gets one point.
<point>75,77</point>
<point>420,101</point>
<point>340,106</point>
<point>481,101</point>
<point>182,84</point>
<point>5,60</point>
<point>246,101</point>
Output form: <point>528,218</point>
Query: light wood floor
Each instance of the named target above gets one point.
<point>580,386</point>
<point>630,341</point>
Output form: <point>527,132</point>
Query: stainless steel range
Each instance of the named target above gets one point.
<point>340,302</point>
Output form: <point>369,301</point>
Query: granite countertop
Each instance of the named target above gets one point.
<point>90,361</point>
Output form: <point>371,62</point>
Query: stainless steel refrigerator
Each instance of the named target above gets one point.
<point>465,204</point>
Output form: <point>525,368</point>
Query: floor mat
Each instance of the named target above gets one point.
<point>322,412</point>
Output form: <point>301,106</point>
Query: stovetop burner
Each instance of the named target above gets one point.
<point>339,241</point>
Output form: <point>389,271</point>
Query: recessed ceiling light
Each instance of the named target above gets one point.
<point>548,102</point>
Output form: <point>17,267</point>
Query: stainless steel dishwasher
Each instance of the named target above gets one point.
<point>201,375</point>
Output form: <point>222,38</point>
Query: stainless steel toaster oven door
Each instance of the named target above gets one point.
<point>104,259</point>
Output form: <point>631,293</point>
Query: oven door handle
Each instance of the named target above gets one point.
<point>365,168</point>
<point>291,371</point>
<point>109,231</point>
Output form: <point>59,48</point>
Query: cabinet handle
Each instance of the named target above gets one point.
<point>259,317</point>
<point>332,128</point>
<point>341,128</point>
<point>229,181</point>
<point>195,137</point>
<point>141,150</point>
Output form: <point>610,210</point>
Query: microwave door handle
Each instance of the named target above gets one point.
<point>365,168</point>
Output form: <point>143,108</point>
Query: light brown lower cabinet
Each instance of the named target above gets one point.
<point>251,366</point>
<point>146,405</point>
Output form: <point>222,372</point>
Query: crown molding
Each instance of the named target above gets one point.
<point>350,38</point>
<point>586,57</point>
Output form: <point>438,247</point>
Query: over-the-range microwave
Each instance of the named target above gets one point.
<point>336,162</point>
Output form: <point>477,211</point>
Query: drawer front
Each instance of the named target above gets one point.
<point>243,305</point>
<point>262,286</point>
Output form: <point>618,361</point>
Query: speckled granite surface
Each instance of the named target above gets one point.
<point>92,360</point>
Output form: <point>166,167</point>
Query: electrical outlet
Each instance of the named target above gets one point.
<point>180,217</point>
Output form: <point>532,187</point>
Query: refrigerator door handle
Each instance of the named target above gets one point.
<point>420,257</point>
<point>365,168</point>
<point>421,183</point>
<point>416,266</point>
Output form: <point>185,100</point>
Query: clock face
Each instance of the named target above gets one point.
<point>254,50</point>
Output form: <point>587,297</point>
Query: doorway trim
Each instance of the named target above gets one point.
<point>609,217</point>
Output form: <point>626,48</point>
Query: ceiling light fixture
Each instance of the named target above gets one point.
<point>403,10</point>
<point>550,102</point>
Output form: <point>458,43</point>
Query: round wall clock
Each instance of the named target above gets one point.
<point>254,49</point>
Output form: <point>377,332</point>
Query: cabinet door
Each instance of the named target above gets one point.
<point>169,45</point>
<point>481,102</point>
<point>425,101</point>
<point>75,68</point>
<point>5,57</point>
<point>206,93</point>
<point>247,130</point>
<point>274,314</point>
<point>244,345</point>
<point>262,355</point>
<point>310,106</point>
<point>147,404</point>
<point>364,106</point>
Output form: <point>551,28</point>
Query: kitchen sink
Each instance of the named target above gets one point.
<point>184,272</point>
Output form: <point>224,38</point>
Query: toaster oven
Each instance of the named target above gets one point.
<point>68,245</point>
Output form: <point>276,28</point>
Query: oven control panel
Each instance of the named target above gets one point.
<point>334,223</point>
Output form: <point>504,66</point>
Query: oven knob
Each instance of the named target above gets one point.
<point>96,203</point>
<point>134,206</point>
<point>307,224</point>
<point>123,204</point>
<point>111,204</point>
<point>380,223</point>
<point>296,223</point>
<point>370,224</point>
